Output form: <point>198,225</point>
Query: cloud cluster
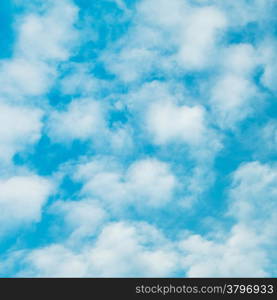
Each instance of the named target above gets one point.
<point>22,199</point>
<point>167,107</point>
<point>122,249</point>
<point>146,182</point>
<point>44,38</point>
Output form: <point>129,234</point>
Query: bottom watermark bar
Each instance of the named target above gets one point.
<point>142,288</point>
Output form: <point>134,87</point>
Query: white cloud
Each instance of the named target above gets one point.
<point>79,81</point>
<point>201,30</point>
<point>20,128</point>
<point>234,94</point>
<point>162,17</point>
<point>22,199</point>
<point>131,63</point>
<point>240,59</point>
<point>120,243</point>
<point>146,182</point>
<point>44,38</point>
<point>177,36</point>
<point>248,249</point>
<point>238,255</point>
<point>43,41</point>
<point>20,77</point>
<point>83,119</point>
<point>149,93</point>
<point>169,116</point>
<point>121,140</point>
<point>254,192</point>
<point>136,54</point>
<point>82,218</point>
<point>122,249</point>
<point>53,261</point>
<point>168,122</point>
<point>86,119</point>
<point>167,39</point>
<point>232,99</point>
<point>55,25</point>
<point>151,180</point>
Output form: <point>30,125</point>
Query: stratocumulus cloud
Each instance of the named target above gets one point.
<point>138,138</point>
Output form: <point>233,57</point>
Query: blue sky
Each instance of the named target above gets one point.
<point>138,138</point>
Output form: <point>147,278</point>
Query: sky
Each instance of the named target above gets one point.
<point>138,138</point>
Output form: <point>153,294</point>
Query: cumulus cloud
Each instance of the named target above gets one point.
<point>184,39</point>
<point>120,250</point>
<point>253,192</point>
<point>234,94</point>
<point>87,120</point>
<point>201,31</point>
<point>44,40</point>
<point>244,250</point>
<point>240,255</point>
<point>83,119</point>
<point>82,218</point>
<point>231,98</point>
<point>22,199</point>
<point>168,122</point>
<point>80,81</point>
<point>159,103</point>
<point>20,128</point>
<point>247,249</point>
<point>146,182</point>
<point>55,25</point>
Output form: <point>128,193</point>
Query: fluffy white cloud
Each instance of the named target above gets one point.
<point>121,243</point>
<point>50,35</point>
<point>240,59</point>
<point>201,30</point>
<point>247,250</point>
<point>138,249</point>
<point>43,41</point>
<point>139,100</point>
<point>53,261</point>
<point>244,12</point>
<point>131,63</point>
<point>82,218</point>
<point>22,199</point>
<point>122,249</point>
<point>20,77</point>
<point>83,119</point>
<point>168,115</point>
<point>234,94</point>
<point>152,180</point>
<point>238,255</point>
<point>20,128</point>
<point>168,122</point>
<point>146,182</point>
<point>231,99</point>
<point>162,17</point>
<point>254,192</point>
<point>175,41</point>
<point>79,81</point>
<point>177,36</point>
